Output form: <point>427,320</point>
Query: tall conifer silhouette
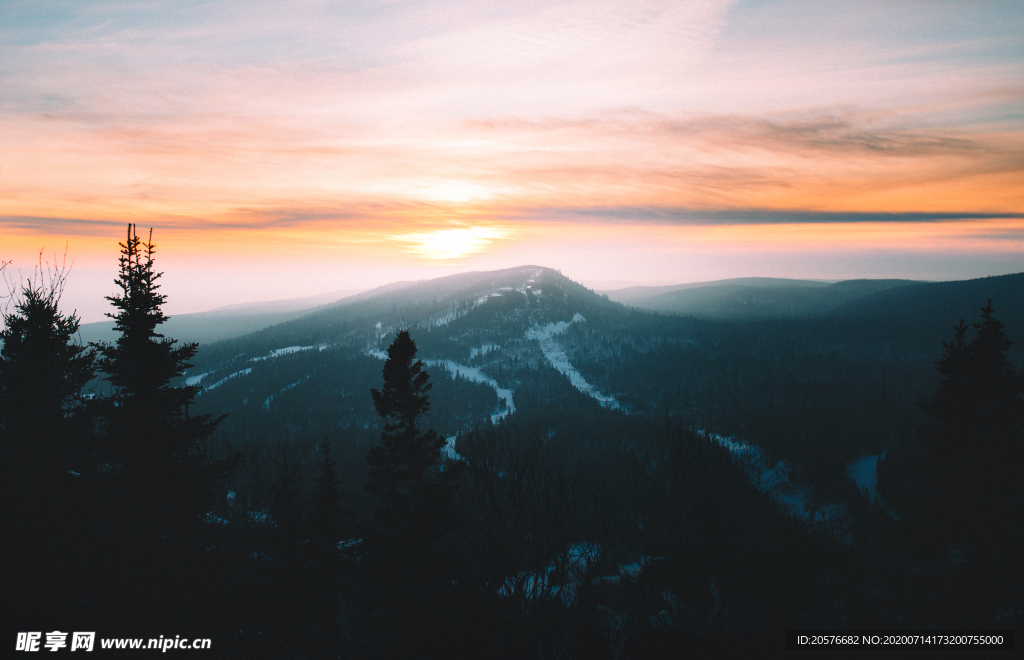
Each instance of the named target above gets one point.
<point>42,373</point>
<point>44,433</point>
<point>408,572</point>
<point>970,473</point>
<point>328,526</point>
<point>328,521</point>
<point>403,467</point>
<point>160,486</point>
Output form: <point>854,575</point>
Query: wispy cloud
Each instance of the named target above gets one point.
<point>822,160</point>
<point>700,217</point>
<point>285,123</point>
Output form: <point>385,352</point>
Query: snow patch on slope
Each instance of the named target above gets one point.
<point>864,473</point>
<point>287,351</point>
<point>474,374</point>
<point>195,380</point>
<point>774,479</point>
<point>483,350</point>
<point>449,449</point>
<point>545,335</point>
<point>243,372</point>
<point>470,373</point>
<point>266,404</point>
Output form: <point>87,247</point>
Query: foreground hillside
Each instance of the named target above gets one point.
<point>507,464</point>
<point>699,461</point>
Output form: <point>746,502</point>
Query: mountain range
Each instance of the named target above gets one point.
<point>836,379</point>
<point>752,297</point>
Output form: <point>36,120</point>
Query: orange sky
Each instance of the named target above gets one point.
<point>283,149</point>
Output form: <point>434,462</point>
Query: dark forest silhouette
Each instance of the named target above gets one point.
<point>125,515</point>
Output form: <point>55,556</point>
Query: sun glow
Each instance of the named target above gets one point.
<point>454,191</point>
<point>446,244</point>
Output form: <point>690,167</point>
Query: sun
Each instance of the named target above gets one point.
<point>446,244</point>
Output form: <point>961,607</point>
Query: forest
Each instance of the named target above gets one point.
<point>339,504</point>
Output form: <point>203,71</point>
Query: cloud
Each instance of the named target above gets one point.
<point>702,217</point>
<point>837,133</point>
<point>43,224</point>
<point>833,131</point>
<point>424,116</point>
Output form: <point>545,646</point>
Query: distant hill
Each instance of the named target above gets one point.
<point>287,304</point>
<point>226,322</point>
<point>500,302</point>
<point>203,327</point>
<point>752,298</point>
<point>629,295</point>
<point>931,309</point>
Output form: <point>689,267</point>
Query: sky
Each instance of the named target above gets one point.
<point>287,149</point>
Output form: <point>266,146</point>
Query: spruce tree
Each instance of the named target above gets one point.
<point>42,373</point>
<point>286,512</point>
<point>328,524</point>
<point>44,438</point>
<point>159,488</point>
<point>970,486</point>
<point>288,589</point>
<point>403,468</point>
<point>152,439</point>
<point>410,565</point>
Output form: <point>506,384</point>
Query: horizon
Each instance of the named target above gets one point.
<point>310,303</point>
<point>86,299</point>
<point>288,149</point>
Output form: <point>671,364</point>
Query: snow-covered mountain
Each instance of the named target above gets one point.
<point>529,347</point>
<point>491,334</point>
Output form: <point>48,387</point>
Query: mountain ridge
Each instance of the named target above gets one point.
<point>629,294</point>
<point>528,346</point>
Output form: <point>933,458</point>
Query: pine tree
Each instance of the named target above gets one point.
<point>404,470</point>
<point>288,550</point>
<point>409,569</point>
<point>328,525</point>
<point>44,437</point>
<point>286,512</point>
<point>152,439</point>
<point>328,521</point>
<point>158,488</point>
<point>42,373</point>
<point>970,473</point>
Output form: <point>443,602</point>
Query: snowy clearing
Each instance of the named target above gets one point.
<point>195,380</point>
<point>774,479</point>
<point>266,403</point>
<point>474,374</point>
<point>483,350</point>
<point>545,336</point>
<point>243,372</point>
<point>470,373</point>
<point>449,449</point>
<point>287,351</point>
<point>864,474</point>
